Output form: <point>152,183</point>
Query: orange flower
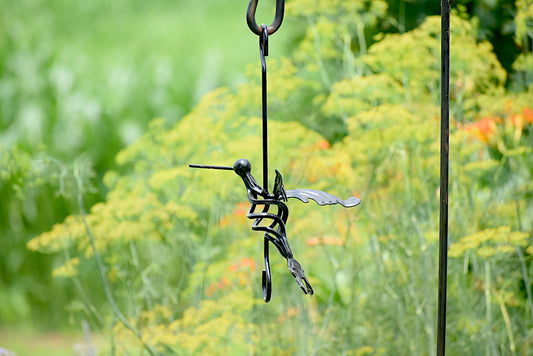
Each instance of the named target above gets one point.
<point>292,312</point>
<point>521,120</point>
<point>222,284</point>
<point>323,145</point>
<point>243,264</point>
<point>210,290</point>
<point>223,222</point>
<point>528,115</point>
<point>248,262</point>
<point>484,128</point>
<point>241,209</point>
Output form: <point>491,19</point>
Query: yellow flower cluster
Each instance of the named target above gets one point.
<point>69,269</point>
<point>489,242</point>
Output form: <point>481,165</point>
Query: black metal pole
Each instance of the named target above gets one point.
<point>444,176</point>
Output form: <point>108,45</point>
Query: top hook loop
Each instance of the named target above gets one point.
<point>250,17</point>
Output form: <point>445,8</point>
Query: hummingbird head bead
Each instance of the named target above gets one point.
<point>242,167</point>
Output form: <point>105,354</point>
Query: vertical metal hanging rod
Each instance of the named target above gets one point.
<point>444,176</point>
<point>263,52</point>
<point>263,32</point>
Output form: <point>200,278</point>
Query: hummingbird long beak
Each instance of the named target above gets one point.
<point>205,166</point>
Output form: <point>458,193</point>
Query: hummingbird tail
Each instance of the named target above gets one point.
<point>299,275</point>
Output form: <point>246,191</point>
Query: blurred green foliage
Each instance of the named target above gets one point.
<point>168,264</point>
<point>84,79</point>
<point>98,72</point>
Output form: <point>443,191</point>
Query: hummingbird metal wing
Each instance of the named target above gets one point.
<point>322,198</point>
<point>279,188</point>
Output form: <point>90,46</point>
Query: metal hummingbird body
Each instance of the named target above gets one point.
<point>276,231</point>
<point>274,224</point>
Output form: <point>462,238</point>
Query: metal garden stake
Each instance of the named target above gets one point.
<point>444,175</point>
<point>274,224</point>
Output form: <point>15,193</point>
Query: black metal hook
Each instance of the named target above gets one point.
<point>278,19</point>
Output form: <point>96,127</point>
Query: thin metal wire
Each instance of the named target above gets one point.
<point>263,52</point>
<point>444,176</point>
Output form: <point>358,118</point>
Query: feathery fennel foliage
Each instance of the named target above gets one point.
<point>184,265</point>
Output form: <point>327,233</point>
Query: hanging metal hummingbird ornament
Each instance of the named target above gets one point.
<point>273,224</point>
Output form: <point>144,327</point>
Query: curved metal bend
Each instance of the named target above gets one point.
<point>278,19</point>
<point>267,276</point>
<point>275,232</point>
